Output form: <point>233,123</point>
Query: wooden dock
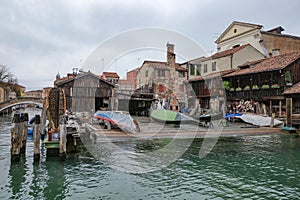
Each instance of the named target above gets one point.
<point>154,130</point>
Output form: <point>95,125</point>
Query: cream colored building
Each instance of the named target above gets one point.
<point>230,59</point>
<point>269,43</point>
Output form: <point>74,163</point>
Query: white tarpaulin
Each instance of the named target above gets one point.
<point>258,120</point>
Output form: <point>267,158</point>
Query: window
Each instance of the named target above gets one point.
<point>146,73</point>
<point>198,72</point>
<point>213,66</point>
<point>160,72</point>
<point>275,52</point>
<point>205,68</point>
<point>181,88</point>
<point>192,69</point>
<point>181,74</point>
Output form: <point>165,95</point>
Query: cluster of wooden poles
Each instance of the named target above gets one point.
<point>19,136</point>
<point>19,133</point>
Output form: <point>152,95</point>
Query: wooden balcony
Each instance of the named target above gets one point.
<point>256,94</point>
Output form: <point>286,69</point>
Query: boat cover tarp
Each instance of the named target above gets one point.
<point>124,121</point>
<point>232,115</point>
<point>258,120</point>
<point>170,116</point>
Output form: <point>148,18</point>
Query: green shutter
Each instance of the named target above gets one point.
<point>198,73</point>
<point>192,69</point>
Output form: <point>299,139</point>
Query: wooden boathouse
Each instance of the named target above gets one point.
<point>86,92</point>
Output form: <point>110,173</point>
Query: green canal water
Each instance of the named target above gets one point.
<point>248,167</point>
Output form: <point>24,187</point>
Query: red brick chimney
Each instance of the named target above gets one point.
<point>170,55</point>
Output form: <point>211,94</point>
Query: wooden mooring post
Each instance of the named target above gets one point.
<point>24,131</point>
<point>63,139</point>
<point>289,111</point>
<point>36,137</point>
<point>16,138</point>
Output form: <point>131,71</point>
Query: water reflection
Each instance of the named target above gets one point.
<point>17,176</point>
<point>55,186</point>
<point>249,167</point>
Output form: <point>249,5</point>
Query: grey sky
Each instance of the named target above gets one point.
<point>40,38</point>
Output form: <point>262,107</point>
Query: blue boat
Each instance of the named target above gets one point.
<point>289,129</point>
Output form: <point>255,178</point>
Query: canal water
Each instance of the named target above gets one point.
<point>248,167</point>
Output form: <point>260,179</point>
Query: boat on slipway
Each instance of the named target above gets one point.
<point>124,121</point>
<point>259,120</point>
<point>172,117</point>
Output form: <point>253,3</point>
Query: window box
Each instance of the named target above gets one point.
<point>255,87</point>
<point>265,87</point>
<point>231,89</point>
<point>238,89</point>
<point>274,86</point>
<point>247,87</point>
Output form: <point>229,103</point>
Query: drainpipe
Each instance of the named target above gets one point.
<point>231,56</point>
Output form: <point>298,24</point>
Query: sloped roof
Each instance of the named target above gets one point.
<point>227,52</point>
<point>164,65</point>
<point>269,64</point>
<point>280,35</point>
<point>250,63</point>
<point>111,74</point>
<point>135,69</point>
<point>295,89</point>
<point>63,81</point>
<point>211,75</point>
<point>11,84</point>
<point>253,26</point>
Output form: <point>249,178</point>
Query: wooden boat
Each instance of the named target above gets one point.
<point>172,117</point>
<point>124,121</point>
<point>288,129</point>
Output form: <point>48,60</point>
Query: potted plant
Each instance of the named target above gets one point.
<point>275,86</point>
<point>238,89</point>
<point>255,87</point>
<point>226,85</point>
<point>247,87</point>
<point>288,78</point>
<point>265,87</point>
<point>231,89</point>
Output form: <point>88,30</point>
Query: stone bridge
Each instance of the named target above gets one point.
<point>20,101</point>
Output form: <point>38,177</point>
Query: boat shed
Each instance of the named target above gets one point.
<point>87,92</point>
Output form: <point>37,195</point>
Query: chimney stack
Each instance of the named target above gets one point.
<point>170,55</point>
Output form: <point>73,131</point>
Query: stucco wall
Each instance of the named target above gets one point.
<point>283,43</point>
<point>252,37</point>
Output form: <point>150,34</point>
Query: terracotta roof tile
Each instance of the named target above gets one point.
<point>269,64</point>
<point>111,74</point>
<point>164,65</point>
<point>11,84</point>
<point>227,52</point>
<point>211,75</point>
<point>295,89</point>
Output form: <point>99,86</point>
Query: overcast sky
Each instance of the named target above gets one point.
<point>40,38</point>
